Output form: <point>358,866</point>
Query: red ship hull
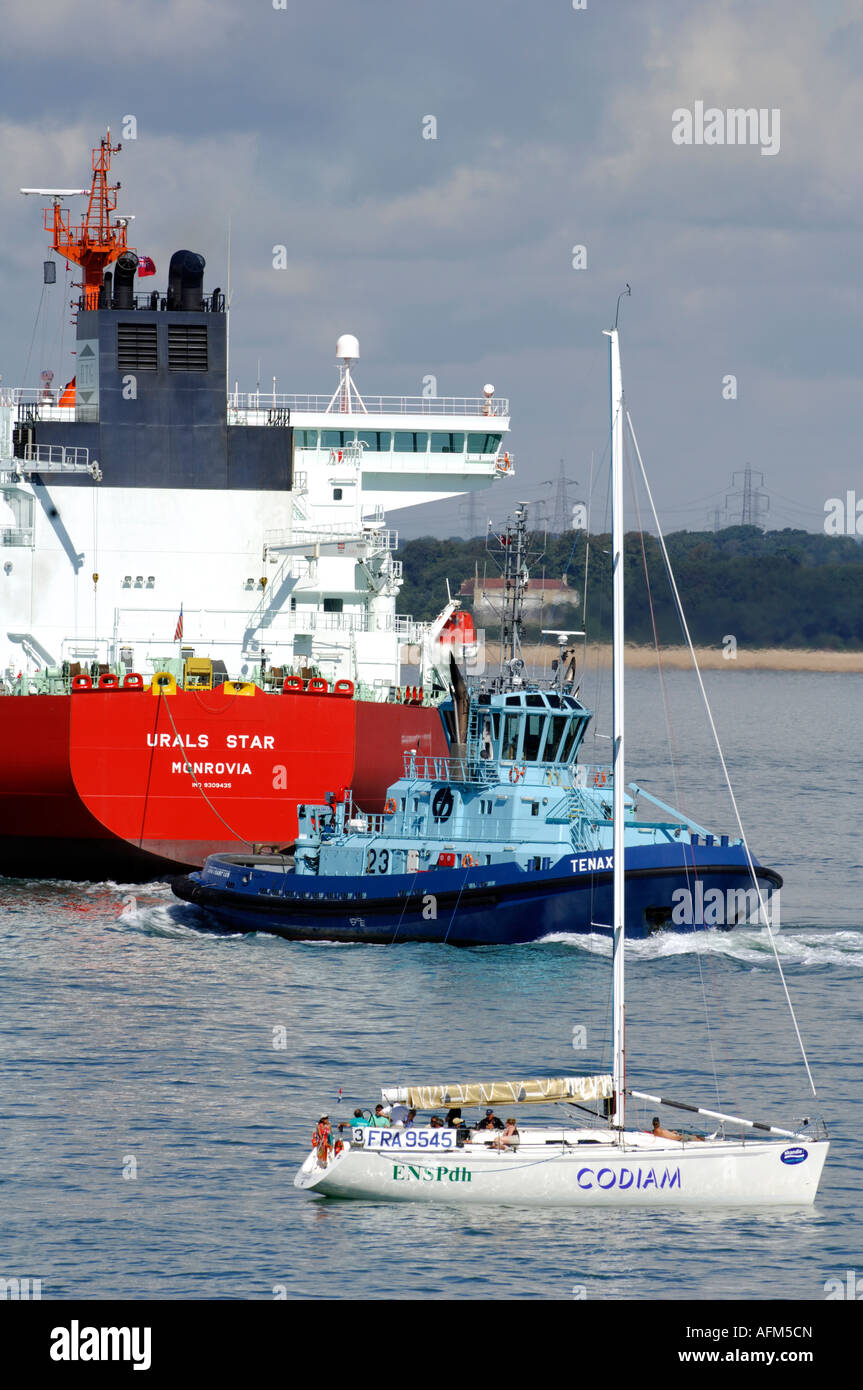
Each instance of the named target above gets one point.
<point>128,786</point>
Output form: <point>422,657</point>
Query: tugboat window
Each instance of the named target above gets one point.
<point>533,732</point>
<point>510,737</point>
<point>568,745</point>
<point>557,725</point>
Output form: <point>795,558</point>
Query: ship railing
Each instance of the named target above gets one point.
<point>264,415</point>
<point>408,628</point>
<point>379,538</point>
<point>16,535</point>
<point>316,620</point>
<point>434,768</point>
<point>157,300</point>
<point>56,458</point>
<point>374,405</point>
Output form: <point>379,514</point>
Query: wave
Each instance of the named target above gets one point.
<point>811,947</point>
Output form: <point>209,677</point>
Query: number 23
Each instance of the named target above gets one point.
<point>378,861</point>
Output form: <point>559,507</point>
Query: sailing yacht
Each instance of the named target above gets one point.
<point>604,1164</point>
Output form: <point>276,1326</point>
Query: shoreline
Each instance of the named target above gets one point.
<point>709,658</point>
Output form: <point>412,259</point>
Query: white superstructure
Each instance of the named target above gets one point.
<point>296,579</point>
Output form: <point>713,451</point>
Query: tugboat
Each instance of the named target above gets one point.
<point>506,839</point>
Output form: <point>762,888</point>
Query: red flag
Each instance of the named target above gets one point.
<point>178,635</point>
<point>146,267</point>
<point>68,395</point>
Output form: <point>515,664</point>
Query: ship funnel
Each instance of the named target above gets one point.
<point>124,279</point>
<point>186,281</point>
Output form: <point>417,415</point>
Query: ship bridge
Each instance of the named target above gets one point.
<point>409,449</point>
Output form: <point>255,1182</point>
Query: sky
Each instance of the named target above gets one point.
<point>303,126</point>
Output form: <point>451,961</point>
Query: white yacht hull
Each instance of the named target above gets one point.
<point>646,1172</point>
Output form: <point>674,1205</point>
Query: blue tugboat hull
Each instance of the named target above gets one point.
<point>681,887</point>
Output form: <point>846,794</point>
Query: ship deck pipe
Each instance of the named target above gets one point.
<point>125,269</point>
<point>186,281</point>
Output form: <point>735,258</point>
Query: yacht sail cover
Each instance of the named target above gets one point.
<point>579,1088</point>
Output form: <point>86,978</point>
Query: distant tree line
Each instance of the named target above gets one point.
<point>769,589</point>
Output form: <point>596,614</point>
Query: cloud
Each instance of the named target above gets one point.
<point>161,29</point>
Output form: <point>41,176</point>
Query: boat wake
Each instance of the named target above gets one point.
<point>804,946</point>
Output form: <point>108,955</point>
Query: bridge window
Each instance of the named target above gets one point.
<point>333,605</point>
<point>567,748</point>
<point>556,726</point>
<point>306,439</point>
<point>411,441</point>
<point>483,443</point>
<point>379,440</point>
<point>533,732</point>
<point>337,439</point>
<point>511,727</point>
<point>447,443</point>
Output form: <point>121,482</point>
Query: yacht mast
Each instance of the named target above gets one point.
<point>618,1005</point>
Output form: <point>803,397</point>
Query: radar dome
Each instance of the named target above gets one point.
<point>348,346</point>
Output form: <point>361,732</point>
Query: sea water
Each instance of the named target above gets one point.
<point>161,1083</point>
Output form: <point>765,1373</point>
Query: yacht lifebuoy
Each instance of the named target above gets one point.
<point>516,774</point>
<point>468,861</point>
<point>390,806</point>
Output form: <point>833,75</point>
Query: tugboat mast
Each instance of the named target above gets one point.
<point>513,544</point>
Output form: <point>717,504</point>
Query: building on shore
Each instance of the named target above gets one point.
<point>485,596</point>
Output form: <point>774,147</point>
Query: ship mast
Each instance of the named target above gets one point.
<point>94,242</point>
<point>618,781</point>
<point>512,558</point>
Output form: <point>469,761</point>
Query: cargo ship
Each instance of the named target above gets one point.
<point>199,585</point>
